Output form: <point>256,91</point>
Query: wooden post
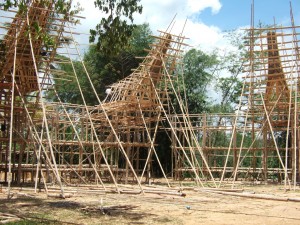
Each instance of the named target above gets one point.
<point>173,151</point>
<point>204,147</point>
<point>128,153</point>
<point>235,157</point>
<point>265,154</point>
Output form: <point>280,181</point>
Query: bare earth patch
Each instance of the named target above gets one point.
<point>196,207</point>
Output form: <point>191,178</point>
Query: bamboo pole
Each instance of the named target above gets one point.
<point>109,121</point>
<point>152,149</point>
<point>286,144</point>
<point>188,124</point>
<point>296,131</point>
<point>38,158</point>
<point>44,111</point>
<point>175,135</point>
<point>11,118</point>
<point>271,128</point>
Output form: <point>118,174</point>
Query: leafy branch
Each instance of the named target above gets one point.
<point>114,32</point>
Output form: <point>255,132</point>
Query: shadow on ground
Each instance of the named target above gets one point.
<point>29,210</point>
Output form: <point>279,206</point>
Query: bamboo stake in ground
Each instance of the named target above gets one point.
<point>93,128</point>
<point>44,112</point>
<point>188,124</point>
<point>12,117</point>
<point>108,120</point>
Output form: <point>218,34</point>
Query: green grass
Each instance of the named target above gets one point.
<point>32,222</point>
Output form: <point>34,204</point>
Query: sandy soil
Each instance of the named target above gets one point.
<point>194,208</point>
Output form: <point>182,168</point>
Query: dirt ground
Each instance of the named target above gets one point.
<point>197,207</point>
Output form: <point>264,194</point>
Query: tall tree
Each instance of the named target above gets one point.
<point>198,71</point>
<point>104,70</point>
<point>114,31</point>
<point>230,85</point>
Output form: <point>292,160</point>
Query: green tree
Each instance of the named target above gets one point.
<point>65,83</point>
<point>63,7</point>
<point>231,67</point>
<point>228,82</point>
<point>114,31</point>
<point>140,39</point>
<point>198,71</point>
<point>103,70</point>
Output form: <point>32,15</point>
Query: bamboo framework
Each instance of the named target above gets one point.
<point>65,144</point>
<point>260,142</point>
<point>114,142</point>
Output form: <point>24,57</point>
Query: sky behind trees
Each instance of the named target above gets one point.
<point>206,19</point>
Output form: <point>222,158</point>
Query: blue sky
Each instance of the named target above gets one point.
<point>207,19</point>
<point>237,13</point>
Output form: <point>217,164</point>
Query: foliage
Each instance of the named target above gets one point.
<point>140,39</point>
<point>228,82</point>
<point>103,70</point>
<point>67,89</point>
<point>198,71</point>
<point>63,7</point>
<point>114,32</point>
<point>231,88</point>
<point>9,4</point>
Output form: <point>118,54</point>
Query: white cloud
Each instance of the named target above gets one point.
<point>199,5</point>
<point>159,14</point>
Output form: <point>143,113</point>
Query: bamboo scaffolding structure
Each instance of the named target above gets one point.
<point>110,124</point>
<point>278,111</point>
<point>105,146</point>
<point>44,115</point>
<point>190,127</point>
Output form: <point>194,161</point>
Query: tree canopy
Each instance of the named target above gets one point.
<point>114,31</point>
<point>103,69</point>
<point>198,71</point>
<point>63,7</point>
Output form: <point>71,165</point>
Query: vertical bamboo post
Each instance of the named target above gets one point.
<point>234,149</point>
<point>12,116</point>
<point>173,151</point>
<point>265,153</point>
<point>44,113</point>
<point>204,137</point>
